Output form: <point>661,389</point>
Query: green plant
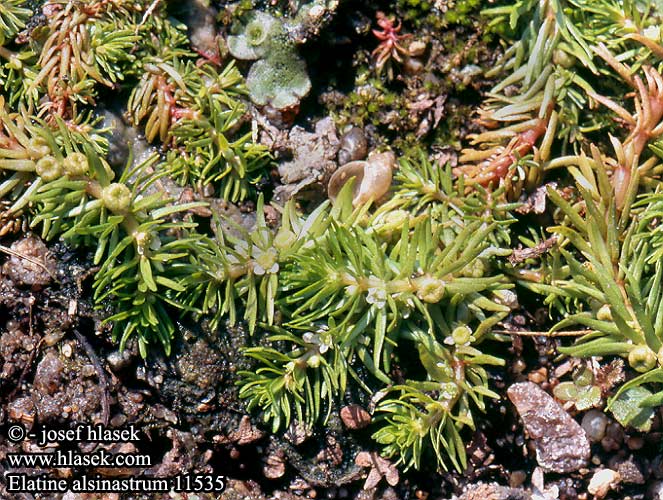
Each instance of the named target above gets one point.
<point>53,170</point>
<point>197,110</point>
<point>541,111</point>
<point>12,19</point>
<point>278,78</point>
<point>241,268</point>
<point>399,299</point>
<point>138,253</point>
<point>610,283</point>
<point>582,390</point>
<point>353,293</point>
<point>86,43</point>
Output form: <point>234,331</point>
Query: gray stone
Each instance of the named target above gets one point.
<point>561,443</point>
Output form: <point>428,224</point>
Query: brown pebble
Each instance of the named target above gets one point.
<point>274,467</point>
<point>22,410</point>
<point>517,478</point>
<point>561,444</point>
<point>635,442</point>
<point>31,263</point>
<point>118,420</point>
<point>88,371</point>
<point>48,376</point>
<point>519,366</point>
<point>413,65</point>
<point>538,376</point>
<point>628,470</point>
<point>615,431</point>
<point>355,417</point>
<point>135,397</point>
<point>609,444</point>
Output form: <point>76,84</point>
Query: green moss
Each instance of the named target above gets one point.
<point>463,12</point>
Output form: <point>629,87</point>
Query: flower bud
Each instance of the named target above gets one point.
<point>475,270</point>
<point>461,335</point>
<point>76,164</point>
<point>429,289</point>
<point>284,239</point>
<point>563,59</point>
<point>116,197</point>
<point>313,361</point>
<point>49,169</point>
<point>642,358</point>
<point>604,313</point>
<point>38,148</point>
<point>15,62</point>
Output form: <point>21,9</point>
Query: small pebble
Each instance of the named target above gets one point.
<point>48,377</point>
<point>613,438</point>
<point>594,422</point>
<point>67,350</point>
<point>274,466</point>
<point>519,366</point>
<point>413,66</point>
<point>517,478</point>
<point>118,420</point>
<point>538,376</point>
<point>635,442</point>
<point>355,417</point>
<point>561,444</point>
<point>602,482</point>
<point>628,469</point>
<point>119,360</point>
<point>22,410</point>
<point>416,48</point>
<point>31,263</point>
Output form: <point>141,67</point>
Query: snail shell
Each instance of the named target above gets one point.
<point>353,146</point>
<point>372,178</point>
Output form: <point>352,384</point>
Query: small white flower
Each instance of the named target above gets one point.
<point>308,337</point>
<point>653,33</point>
<point>377,296</point>
<point>265,261</point>
<point>321,341</point>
